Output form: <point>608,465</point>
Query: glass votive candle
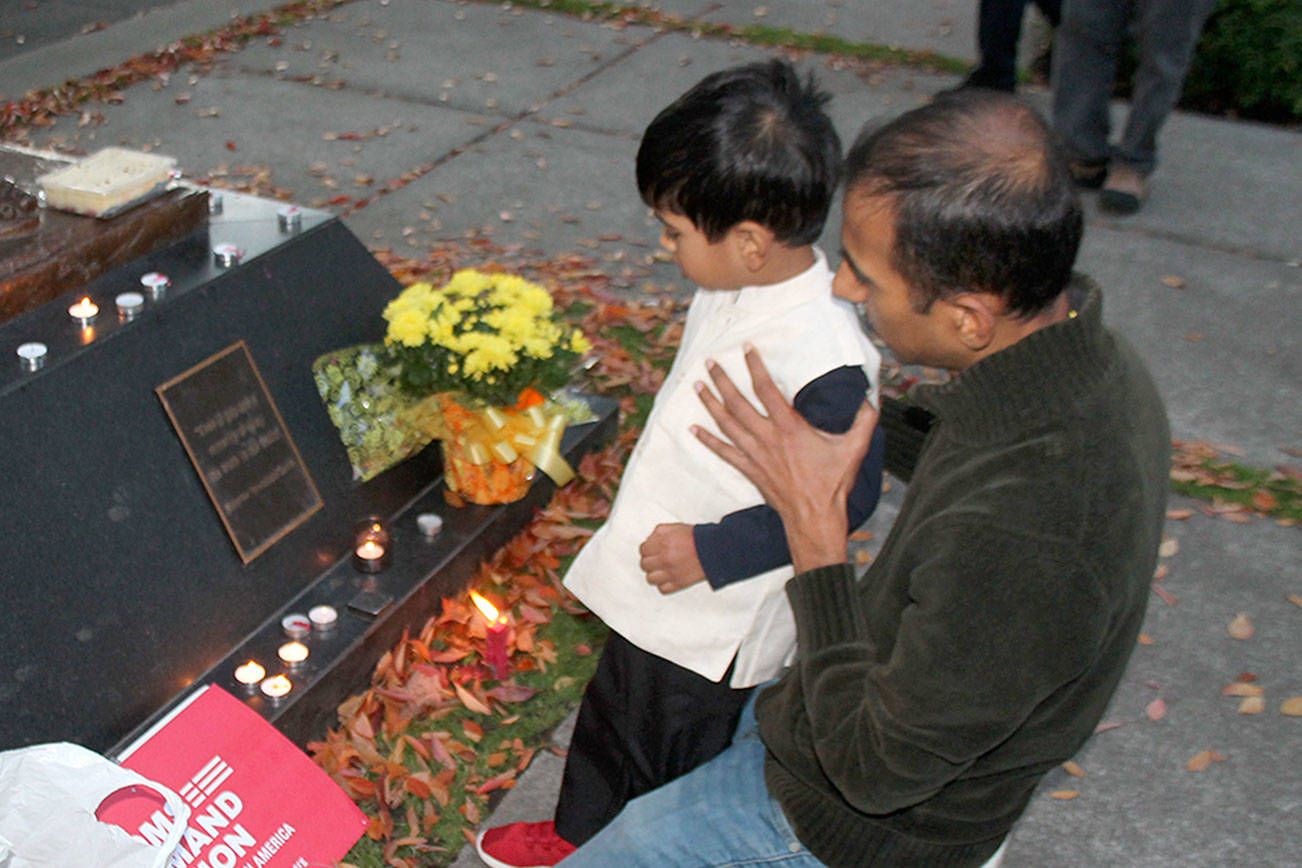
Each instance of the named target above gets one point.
<point>370,546</point>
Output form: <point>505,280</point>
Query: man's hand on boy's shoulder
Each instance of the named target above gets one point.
<point>669,558</point>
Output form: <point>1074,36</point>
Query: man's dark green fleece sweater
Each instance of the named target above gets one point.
<point>983,644</point>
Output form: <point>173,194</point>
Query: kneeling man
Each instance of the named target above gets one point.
<point>979,651</point>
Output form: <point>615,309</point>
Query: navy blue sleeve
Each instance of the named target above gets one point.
<point>751,541</point>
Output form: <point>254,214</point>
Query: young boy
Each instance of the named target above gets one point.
<point>688,571</point>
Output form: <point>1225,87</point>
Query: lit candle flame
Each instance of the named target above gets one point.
<point>84,309</point>
<point>293,652</point>
<point>488,610</point>
<point>370,550</point>
<point>250,673</point>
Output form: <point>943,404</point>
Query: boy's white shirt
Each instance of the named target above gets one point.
<point>801,331</point>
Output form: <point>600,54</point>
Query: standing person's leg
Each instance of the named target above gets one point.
<point>1051,10</point>
<point>1085,51</point>
<point>719,815</point>
<point>1167,34</point>
<point>644,722</point>
<point>999,26</point>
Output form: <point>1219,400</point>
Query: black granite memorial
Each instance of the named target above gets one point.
<point>127,574</point>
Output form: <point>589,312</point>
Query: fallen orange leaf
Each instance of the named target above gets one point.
<point>1241,627</point>
<point>1252,705</point>
<point>1064,795</point>
<point>469,701</point>
<point>1292,706</point>
<point>1200,761</point>
<point>1156,709</point>
<point>1073,768</point>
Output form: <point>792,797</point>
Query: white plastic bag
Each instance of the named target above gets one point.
<point>48,797</point>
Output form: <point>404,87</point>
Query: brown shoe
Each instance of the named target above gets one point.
<point>1124,191</point>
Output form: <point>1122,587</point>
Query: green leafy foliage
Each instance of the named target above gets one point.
<point>1249,62</point>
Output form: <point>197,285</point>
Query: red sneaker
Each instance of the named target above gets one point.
<point>523,845</point>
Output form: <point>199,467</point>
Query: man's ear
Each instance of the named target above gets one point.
<point>975,319</point>
<point>752,243</point>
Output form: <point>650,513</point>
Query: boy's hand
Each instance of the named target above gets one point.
<point>669,558</point>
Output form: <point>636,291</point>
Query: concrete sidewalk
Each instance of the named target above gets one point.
<point>520,125</point>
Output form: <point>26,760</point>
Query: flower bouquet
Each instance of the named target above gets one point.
<point>485,349</point>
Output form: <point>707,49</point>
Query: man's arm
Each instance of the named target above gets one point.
<point>975,653</point>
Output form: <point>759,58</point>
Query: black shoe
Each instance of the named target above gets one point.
<point>983,77</point>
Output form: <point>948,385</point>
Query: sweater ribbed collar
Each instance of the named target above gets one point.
<point>1031,383</point>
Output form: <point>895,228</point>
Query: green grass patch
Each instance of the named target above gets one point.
<point>1268,493</point>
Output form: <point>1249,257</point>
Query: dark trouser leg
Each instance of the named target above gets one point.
<point>1167,33</point>
<point>643,722</point>
<point>1051,10</point>
<point>999,26</point>
<point>1085,50</point>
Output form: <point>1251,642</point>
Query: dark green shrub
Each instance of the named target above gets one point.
<point>1249,62</point>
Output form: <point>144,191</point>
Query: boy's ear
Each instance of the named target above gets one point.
<point>752,243</point>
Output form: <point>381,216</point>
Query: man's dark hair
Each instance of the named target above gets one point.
<point>747,143</point>
<point>982,197</point>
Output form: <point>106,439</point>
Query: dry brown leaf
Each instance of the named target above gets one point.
<point>1240,688</point>
<point>862,557</point>
<point>1145,639</point>
<point>1179,514</point>
<point>1241,627</point>
<point>1252,705</point>
<point>860,536</point>
<point>1169,548</point>
<point>1295,599</point>
<point>1292,706</point>
<point>469,701</point>
<point>1173,281</point>
<point>1064,795</point>
<point>1073,768</point>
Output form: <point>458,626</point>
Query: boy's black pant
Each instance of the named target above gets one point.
<point>643,722</point>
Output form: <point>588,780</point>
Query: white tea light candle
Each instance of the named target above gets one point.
<point>32,356</point>
<point>323,617</point>
<point>129,304</point>
<point>83,313</point>
<point>293,653</point>
<point>276,687</point>
<point>249,674</point>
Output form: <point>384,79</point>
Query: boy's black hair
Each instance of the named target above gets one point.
<point>746,143</point>
<point>982,197</point>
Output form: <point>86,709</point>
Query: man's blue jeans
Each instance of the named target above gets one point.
<point>719,815</point>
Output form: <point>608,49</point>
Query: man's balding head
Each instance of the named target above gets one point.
<point>982,197</point>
